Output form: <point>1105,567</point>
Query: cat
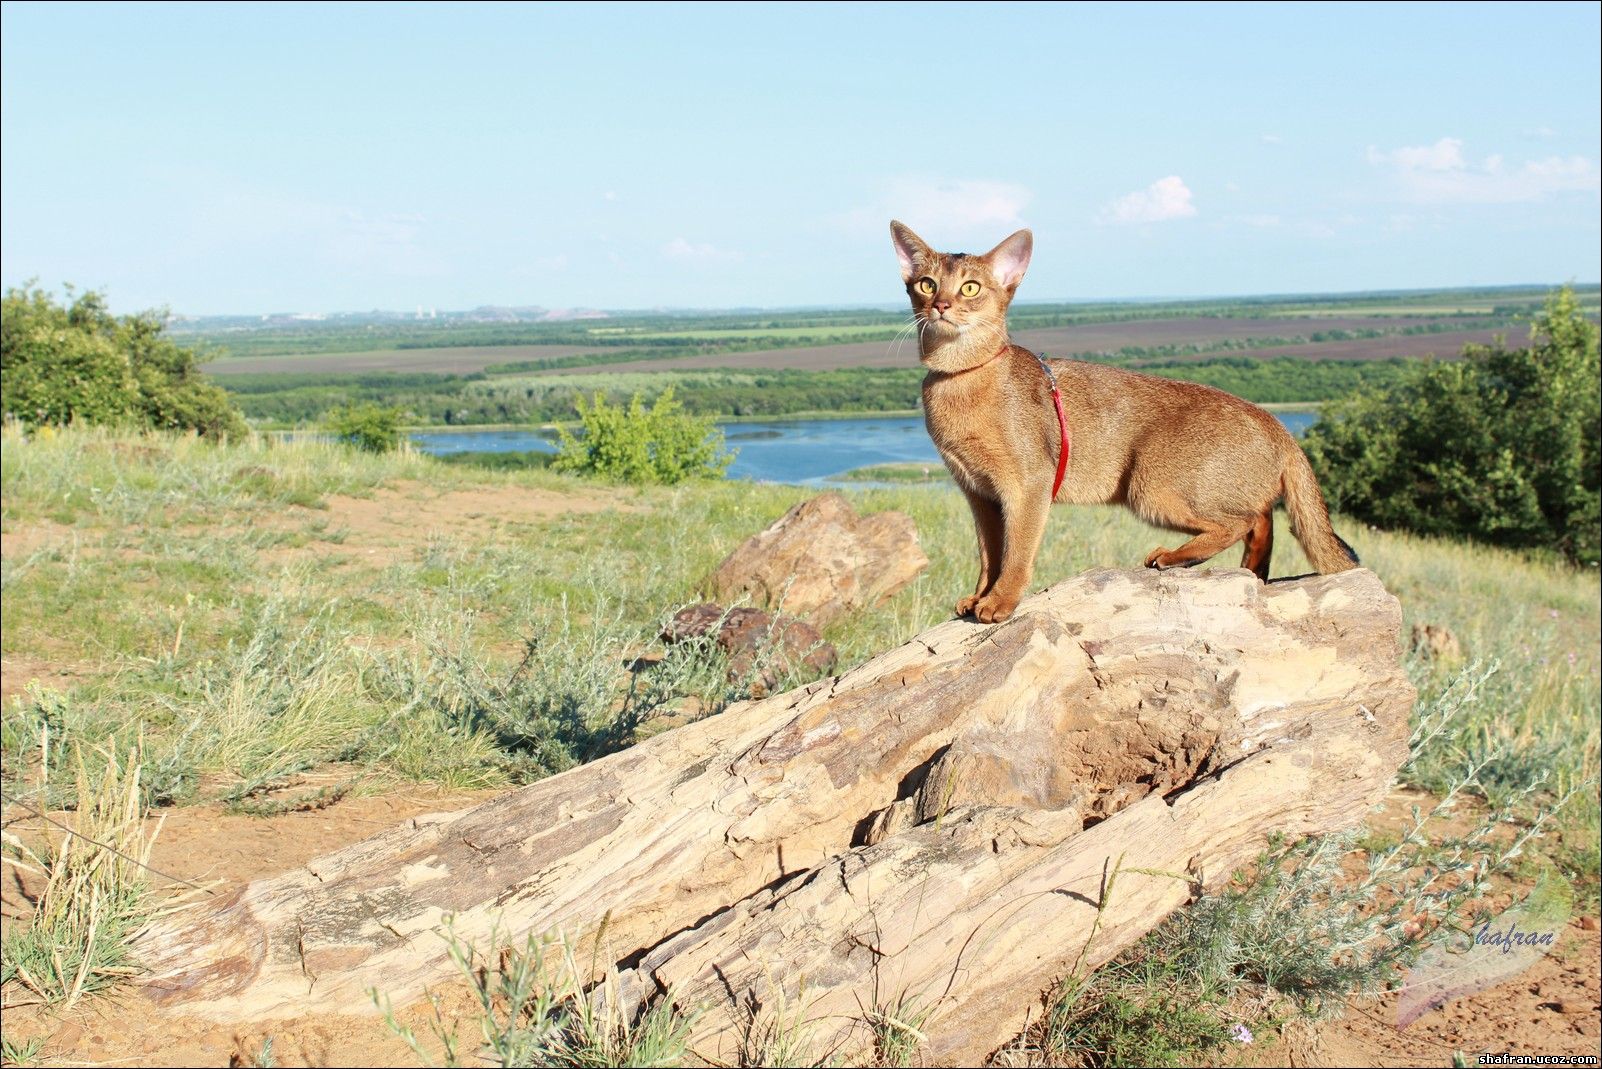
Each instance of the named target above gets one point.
<point>1182,456</point>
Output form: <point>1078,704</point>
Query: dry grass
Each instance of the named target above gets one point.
<point>97,891</point>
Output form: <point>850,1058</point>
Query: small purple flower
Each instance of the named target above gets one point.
<point>1240,1033</point>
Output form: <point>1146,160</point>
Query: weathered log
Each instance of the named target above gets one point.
<point>907,833</point>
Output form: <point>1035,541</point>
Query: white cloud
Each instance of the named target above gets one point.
<point>698,251</point>
<point>960,204</point>
<point>945,209</point>
<point>1442,174</point>
<point>1165,199</point>
<point>1445,155</point>
<point>1272,139</point>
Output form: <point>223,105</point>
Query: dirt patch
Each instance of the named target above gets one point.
<point>207,844</point>
<point>19,542</point>
<point>1552,1008</point>
<point>398,520</point>
<point>17,672</point>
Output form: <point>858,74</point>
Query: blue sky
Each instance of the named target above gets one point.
<point>233,158</point>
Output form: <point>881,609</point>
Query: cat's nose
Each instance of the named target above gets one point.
<point>941,306</point>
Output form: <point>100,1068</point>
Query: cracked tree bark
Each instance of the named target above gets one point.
<point>951,826</point>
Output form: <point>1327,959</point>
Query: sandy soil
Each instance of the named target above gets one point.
<point>207,845</point>
<point>398,520</point>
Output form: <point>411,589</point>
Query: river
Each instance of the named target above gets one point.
<point>813,452</point>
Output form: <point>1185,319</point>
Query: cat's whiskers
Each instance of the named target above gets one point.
<point>902,335</point>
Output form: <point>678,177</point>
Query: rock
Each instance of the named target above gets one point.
<point>1436,643</point>
<point>693,622</point>
<point>755,640</point>
<point>821,560</point>
<point>1587,924</point>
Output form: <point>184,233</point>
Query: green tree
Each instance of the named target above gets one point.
<point>636,444</point>
<point>78,363</point>
<point>1500,447</point>
<point>370,427</point>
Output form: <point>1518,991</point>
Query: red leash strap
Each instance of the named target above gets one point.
<point>1062,427</point>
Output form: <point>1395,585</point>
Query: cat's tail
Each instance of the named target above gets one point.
<point>1309,516</point>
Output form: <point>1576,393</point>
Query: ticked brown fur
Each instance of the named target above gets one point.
<point>1182,456</point>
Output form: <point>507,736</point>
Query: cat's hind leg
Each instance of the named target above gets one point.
<point>1212,534</point>
<point>1260,544</point>
<point>1211,541</point>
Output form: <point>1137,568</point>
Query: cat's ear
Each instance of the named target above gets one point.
<point>910,249</point>
<point>1009,260</point>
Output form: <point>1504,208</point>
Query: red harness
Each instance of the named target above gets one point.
<point>1062,427</point>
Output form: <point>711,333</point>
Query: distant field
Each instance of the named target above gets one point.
<point>1088,338</point>
<point>462,360</point>
<point>1388,310</point>
<point>756,363</point>
<point>1447,344</point>
<point>752,332</point>
<point>1588,304</point>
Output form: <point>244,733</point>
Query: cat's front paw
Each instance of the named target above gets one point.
<point>994,608</point>
<point>1158,558</point>
<point>965,606</point>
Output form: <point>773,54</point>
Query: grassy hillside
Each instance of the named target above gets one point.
<point>247,612</point>
<point>149,571</point>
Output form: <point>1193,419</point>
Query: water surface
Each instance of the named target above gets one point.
<point>803,451</point>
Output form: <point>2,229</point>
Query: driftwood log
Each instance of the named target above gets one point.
<point>947,829</point>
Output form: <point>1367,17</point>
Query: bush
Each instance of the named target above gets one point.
<point>660,444</point>
<point>1500,447</point>
<point>369,427</point>
<point>78,363</point>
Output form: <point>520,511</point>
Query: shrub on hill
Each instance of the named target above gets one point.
<point>369,427</point>
<point>1500,447</point>
<point>78,363</point>
<point>636,444</point>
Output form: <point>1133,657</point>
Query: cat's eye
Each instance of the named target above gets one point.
<point>970,289</point>
<point>926,285</point>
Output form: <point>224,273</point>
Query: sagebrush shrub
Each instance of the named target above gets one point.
<point>635,444</point>
<point>369,427</point>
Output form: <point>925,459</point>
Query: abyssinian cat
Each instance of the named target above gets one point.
<point>1182,456</point>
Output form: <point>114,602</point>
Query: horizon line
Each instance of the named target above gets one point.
<point>1285,295</point>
